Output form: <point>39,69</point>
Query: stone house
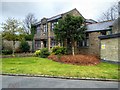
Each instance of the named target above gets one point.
<point>44,36</point>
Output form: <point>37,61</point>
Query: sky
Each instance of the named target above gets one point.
<point>18,9</point>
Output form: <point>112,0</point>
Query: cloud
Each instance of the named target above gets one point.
<point>48,8</point>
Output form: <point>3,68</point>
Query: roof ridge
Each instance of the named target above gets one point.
<point>65,13</point>
<point>102,22</point>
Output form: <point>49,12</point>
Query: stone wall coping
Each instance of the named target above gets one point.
<point>109,36</point>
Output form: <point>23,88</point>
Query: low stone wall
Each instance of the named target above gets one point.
<point>9,44</point>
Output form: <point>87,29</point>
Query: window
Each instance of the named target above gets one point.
<point>53,25</point>
<point>103,33</point>
<point>37,44</point>
<point>85,42</point>
<point>44,28</point>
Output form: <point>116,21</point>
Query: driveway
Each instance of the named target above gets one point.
<point>41,82</point>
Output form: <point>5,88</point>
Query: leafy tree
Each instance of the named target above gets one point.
<point>11,30</point>
<point>70,27</point>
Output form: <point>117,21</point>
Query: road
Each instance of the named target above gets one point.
<point>41,82</point>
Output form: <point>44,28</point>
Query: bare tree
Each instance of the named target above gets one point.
<point>27,23</point>
<point>110,14</point>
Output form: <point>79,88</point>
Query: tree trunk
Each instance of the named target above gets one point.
<point>32,46</point>
<point>13,48</point>
<point>73,48</point>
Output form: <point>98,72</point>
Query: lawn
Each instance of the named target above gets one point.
<point>38,66</point>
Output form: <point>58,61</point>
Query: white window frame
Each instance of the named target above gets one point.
<point>45,28</point>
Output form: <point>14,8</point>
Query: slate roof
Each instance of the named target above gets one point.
<point>55,17</point>
<point>90,21</point>
<point>100,26</point>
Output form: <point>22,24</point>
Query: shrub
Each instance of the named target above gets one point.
<point>37,53</point>
<point>18,50</point>
<point>24,46</point>
<point>6,52</point>
<point>44,53</point>
<point>59,50</point>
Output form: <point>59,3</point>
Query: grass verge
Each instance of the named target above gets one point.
<point>38,66</point>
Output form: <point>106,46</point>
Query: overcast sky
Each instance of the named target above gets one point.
<point>90,9</point>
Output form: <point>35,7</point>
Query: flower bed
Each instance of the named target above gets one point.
<point>77,59</point>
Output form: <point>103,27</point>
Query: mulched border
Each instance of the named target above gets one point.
<point>62,77</point>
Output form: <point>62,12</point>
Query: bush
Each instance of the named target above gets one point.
<point>59,50</point>
<point>24,46</point>
<point>44,53</point>
<point>28,37</point>
<point>37,53</point>
<point>18,50</point>
<point>6,52</point>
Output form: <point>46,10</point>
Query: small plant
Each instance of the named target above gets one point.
<point>59,50</point>
<point>18,50</point>
<point>24,46</point>
<point>44,53</point>
<point>37,53</point>
<point>6,52</point>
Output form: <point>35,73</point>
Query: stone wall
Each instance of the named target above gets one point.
<point>9,44</point>
<point>109,49</point>
<point>94,45</point>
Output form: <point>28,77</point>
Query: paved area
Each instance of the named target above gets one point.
<point>41,82</point>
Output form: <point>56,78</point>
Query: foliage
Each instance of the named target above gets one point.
<point>44,53</point>
<point>59,50</point>
<point>28,37</point>
<point>37,53</point>
<point>11,29</point>
<point>6,52</point>
<point>71,27</point>
<point>24,46</point>
<point>18,50</point>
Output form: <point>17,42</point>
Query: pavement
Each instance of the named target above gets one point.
<point>42,82</point>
